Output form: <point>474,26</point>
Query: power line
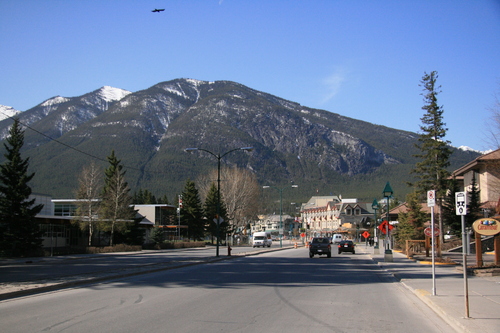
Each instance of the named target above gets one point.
<point>68,146</point>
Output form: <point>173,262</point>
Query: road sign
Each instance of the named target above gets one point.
<point>219,220</point>
<point>431,198</point>
<point>383,226</point>
<point>365,234</point>
<point>461,203</point>
<point>427,232</point>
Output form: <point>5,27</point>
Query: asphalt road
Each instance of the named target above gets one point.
<point>283,291</point>
<point>20,270</point>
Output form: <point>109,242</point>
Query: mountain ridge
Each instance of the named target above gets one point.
<point>149,129</point>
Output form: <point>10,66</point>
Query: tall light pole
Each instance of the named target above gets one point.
<point>387,192</point>
<point>375,207</point>
<point>218,219</point>
<point>281,207</point>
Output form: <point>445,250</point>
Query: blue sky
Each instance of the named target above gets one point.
<point>361,59</point>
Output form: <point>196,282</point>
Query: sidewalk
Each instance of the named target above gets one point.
<point>449,300</point>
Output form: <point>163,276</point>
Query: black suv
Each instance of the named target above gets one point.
<point>346,246</point>
<point>320,245</point>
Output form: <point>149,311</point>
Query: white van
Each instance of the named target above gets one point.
<point>336,238</point>
<point>262,239</point>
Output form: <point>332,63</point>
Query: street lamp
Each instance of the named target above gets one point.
<point>387,192</point>
<point>218,157</point>
<point>375,207</point>
<point>281,207</point>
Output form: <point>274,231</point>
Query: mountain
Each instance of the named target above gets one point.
<point>7,111</point>
<point>321,151</point>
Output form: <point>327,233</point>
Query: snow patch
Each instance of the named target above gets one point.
<point>7,111</point>
<point>55,100</point>
<point>110,94</point>
<point>466,148</point>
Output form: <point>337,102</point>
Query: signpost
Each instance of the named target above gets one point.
<point>431,202</point>
<point>461,209</point>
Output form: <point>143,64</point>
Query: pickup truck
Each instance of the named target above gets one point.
<point>320,246</point>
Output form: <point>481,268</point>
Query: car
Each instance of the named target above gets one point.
<point>346,246</point>
<point>320,246</point>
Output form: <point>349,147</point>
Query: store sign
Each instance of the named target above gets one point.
<point>487,227</point>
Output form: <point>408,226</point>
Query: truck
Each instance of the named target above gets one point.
<point>262,238</point>
<point>320,246</point>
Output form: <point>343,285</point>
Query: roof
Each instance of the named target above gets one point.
<point>493,156</point>
<point>403,208</point>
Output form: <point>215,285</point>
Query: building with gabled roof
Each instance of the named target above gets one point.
<point>486,171</point>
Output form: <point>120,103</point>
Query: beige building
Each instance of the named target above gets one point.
<point>486,171</point>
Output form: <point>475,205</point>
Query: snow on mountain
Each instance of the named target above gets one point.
<point>110,94</point>
<point>465,148</point>
<point>7,111</point>
<point>55,100</point>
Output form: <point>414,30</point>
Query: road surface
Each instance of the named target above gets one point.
<point>282,291</point>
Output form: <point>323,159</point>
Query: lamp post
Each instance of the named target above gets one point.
<point>387,192</point>
<point>375,207</point>
<point>219,156</point>
<point>281,207</point>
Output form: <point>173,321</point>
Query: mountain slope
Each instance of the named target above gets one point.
<point>149,129</point>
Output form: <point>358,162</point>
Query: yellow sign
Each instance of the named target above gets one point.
<point>487,227</point>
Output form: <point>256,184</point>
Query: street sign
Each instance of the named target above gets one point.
<point>431,198</point>
<point>219,220</point>
<point>383,226</point>
<point>365,234</point>
<point>427,232</point>
<point>461,203</point>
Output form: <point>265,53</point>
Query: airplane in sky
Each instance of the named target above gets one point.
<point>157,10</point>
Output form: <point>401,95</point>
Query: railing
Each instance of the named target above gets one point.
<point>414,247</point>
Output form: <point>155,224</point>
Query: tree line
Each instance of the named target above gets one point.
<point>104,203</point>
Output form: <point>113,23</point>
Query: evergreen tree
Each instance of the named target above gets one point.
<point>450,217</point>
<point>435,152</point>
<point>411,223</point>
<point>474,205</point>
<point>210,210</point>
<point>431,171</point>
<point>144,197</point>
<point>115,209</point>
<point>192,211</point>
<point>20,234</point>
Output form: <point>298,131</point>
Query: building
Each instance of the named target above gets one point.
<point>486,171</point>
<point>272,223</point>
<point>326,215</point>
<point>58,231</point>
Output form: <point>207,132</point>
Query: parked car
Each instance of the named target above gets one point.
<point>346,246</point>
<point>320,246</point>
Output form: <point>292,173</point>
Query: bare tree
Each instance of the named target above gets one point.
<point>493,125</point>
<point>89,189</point>
<point>240,190</point>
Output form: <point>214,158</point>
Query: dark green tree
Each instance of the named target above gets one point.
<point>116,211</point>
<point>192,211</point>
<point>435,152</point>
<point>431,172</point>
<point>450,217</point>
<point>474,204</point>
<point>144,197</point>
<point>20,234</point>
<point>411,223</point>
<point>210,210</point>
